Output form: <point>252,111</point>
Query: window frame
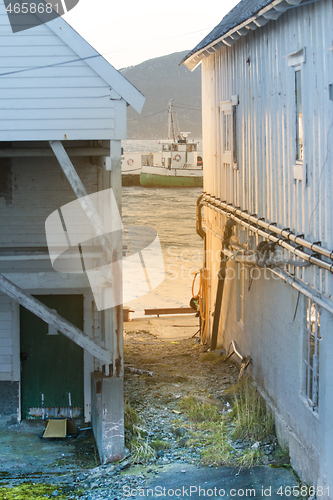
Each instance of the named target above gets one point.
<point>311,354</point>
<point>240,303</point>
<point>296,61</point>
<point>228,109</point>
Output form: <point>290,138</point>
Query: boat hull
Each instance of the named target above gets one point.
<point>162,177</point>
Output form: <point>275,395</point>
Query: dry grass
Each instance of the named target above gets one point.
<point>200,412</point>
<point>252,419</point>
<point>213,432</point>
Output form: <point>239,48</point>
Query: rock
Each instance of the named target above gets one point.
<point>255,446</point>
<point>180,431</point>
<point>55,493</point>
<point>125,465</point>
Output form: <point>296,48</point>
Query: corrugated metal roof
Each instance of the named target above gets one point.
<point>240,13</point>
<point>252,14</point>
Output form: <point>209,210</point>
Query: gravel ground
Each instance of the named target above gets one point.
<point>180,368</point>
<point>174,366</point>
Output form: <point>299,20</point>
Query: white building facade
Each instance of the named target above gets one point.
<point>62,118</point>
<point>267,90</point>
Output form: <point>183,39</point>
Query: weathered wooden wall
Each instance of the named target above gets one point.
<point>50,91</point>
<point>272,329</point>
<point>256,69</point>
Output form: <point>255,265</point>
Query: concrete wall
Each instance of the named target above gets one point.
<point>272,334</point>
<point>107,416</point>
<point>9,399</point>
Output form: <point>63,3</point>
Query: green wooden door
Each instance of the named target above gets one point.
<point>51,364</point>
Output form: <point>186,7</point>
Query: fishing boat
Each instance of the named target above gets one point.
<point>180,165</point>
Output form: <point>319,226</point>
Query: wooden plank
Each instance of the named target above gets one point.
<point>37,79</point>
<point>66,132</point>
<point>67,113</point>
<point>6,343</point>
<point>52,102</point>
<point>33,152</point>
<point>24,52</point>
<point>58,124</point>
<point>6,350</point>
<point>33,40</point>
<point>53,319</point>
<point>91,93</point>
<point>5,360</point>
<point>169,310</point>
<point>6,369</point>
<point>5,324</point>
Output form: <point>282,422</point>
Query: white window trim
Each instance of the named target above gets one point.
<point>295,61</point>
<point>311,397</point>
<point>229,108</point>
<point>240,303</point>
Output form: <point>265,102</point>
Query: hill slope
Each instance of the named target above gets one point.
<point>160,80</point>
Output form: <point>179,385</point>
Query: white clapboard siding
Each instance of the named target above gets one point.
<point>256,69</point>
<point>6,339</point>
<point>39,188</point>
<point>49,92</point>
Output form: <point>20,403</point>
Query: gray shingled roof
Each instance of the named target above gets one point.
<point>240,13</point>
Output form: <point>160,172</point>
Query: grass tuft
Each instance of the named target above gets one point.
<point>252,419</point>
<point>213,433</point>
<point>141,451</point>
<point>251,457</point>
<point>200,412</point>
<point>158,445</point>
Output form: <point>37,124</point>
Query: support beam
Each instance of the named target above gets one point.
<point>46,152</point>
<point>82,195</point>
<point>116,322</point>
<point>113,252</point>
<point>52,318</point>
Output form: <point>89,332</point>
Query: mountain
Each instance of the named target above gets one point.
<point>160,80</point>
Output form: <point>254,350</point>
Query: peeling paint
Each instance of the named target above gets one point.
<point>62,412</point>
<point>6,188</point>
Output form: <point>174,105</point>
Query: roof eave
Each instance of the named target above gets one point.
<point>269,13</point>
<point>97,62</point>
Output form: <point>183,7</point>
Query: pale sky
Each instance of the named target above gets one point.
<point>128,32</point>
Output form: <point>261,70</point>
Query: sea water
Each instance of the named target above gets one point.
<point>171,212</point>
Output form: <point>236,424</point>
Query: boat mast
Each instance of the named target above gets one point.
<point>171,125</point>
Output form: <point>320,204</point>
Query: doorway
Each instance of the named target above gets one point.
<point>51,363</point>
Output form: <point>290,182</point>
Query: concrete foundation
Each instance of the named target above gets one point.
<point>107,416</point>
<point>9,399</point>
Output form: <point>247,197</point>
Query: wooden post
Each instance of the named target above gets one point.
<point>116,319</point>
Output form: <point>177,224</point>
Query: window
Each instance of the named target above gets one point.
<point>299,116</point>
<point>311,354</point>
<point>296,61</point>
<point>240,294</point>
<point>228,133</point>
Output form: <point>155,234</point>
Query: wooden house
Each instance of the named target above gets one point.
<point>62,118</point>
<point>267,91</point>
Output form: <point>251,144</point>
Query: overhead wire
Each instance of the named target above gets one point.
<point>147,116</point>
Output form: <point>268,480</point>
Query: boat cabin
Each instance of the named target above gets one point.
<point>180,153</point>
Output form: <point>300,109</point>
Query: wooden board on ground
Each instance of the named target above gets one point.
<point>170,310</point>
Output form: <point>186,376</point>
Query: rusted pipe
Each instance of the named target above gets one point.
<point>279,240</point>
<point>198,224</point>
<point>286,234</point>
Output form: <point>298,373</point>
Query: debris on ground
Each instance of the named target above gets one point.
<point>183,405</point>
